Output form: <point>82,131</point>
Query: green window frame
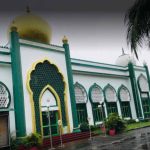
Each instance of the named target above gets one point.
<point>145,104</point>
<point>125,109</point>
<point>98,113</point>
<point>54,123</point>
<point>81,113</point>
<point>124,99</point>
<point>112,107</point>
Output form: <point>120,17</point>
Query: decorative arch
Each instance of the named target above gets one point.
<point>123,93</point>
<point>46,75</point>
<point>52,90</point>
<point>80,93</point>
<point>96,94</point>
<point>110,99</point>
<point>5,97</point>
<point>143,83</point>
<point>124,100</point>
<point>81,100</point>
<point>110,93</point>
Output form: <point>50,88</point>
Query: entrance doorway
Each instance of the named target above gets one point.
<point>50,114</point>
<point>4,132</point>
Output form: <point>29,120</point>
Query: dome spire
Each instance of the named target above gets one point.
<point>123,53</point>
<point>28,9</point>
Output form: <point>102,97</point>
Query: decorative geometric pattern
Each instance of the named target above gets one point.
<point>143,83</point>
<point>110,94</point>
<point>80,94</point>
<point>124,94</point>
<point>4,97</point>
<point>46,74</point>
<point>97,94</point>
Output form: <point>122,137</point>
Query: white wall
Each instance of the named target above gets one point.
<point>30,55</point>
<point>6,78</point>
<point>88,80</point>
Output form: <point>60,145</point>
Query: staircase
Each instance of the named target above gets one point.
<point>66,138</point>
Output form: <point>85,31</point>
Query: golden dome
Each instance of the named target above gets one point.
<point>32,27</point>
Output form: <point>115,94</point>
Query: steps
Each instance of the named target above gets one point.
<point>66,138</point>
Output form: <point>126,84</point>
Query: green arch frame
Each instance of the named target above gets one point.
<point>119,89</point>
<point>108,85</point>
<point>120,102</point>
<point>90,91</point>
<point>138,81</point>
<point>106,102</point>
<point>81,86</point>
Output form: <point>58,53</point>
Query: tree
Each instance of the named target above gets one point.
<point>138,23</point>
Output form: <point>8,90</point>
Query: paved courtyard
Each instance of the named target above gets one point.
<point>134,140</point>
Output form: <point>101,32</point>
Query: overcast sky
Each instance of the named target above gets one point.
<point>95,28</point>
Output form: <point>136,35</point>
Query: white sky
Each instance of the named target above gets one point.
<point>93,36</point>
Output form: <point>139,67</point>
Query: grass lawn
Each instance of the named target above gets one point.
<point>137,125</point>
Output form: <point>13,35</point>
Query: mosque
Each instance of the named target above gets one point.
<point>41,87</point>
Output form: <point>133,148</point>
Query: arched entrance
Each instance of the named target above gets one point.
<point>45,79</point>
<point>50,111</point>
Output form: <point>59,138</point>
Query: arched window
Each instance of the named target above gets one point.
<point>4,96</point>
<point>143,83</point>
<point>124,97</point>
<point>97,97</point>
<point>81,99</point>
<point>110,99</point>
<point>144,92</point>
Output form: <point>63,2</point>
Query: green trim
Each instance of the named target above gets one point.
<point>40,47</point>
<point>4,53</point>
<point>71,87</point>
<point>102,74</point>
<point>4,62</point>
<point>135,90</point>
<point>81,87</point>
<point>99,67</point>
<point>17,85</point>
<point>9,96</point>
<point>120,101</point>
<point>98,63</point>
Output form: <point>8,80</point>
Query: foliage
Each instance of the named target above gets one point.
<point>115,122</point>
<point>84,127</point>
<point>27,142</point>
<point>138,22</point>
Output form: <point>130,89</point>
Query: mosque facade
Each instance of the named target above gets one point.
<point>42,87</point>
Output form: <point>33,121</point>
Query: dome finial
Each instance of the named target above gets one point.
<point>65,40</point>
<point>123,51</point>
<point>28,9</point>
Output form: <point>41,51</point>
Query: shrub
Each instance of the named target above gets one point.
<point>115,122</point>
<point>27,142</point>
<point>84,127</point>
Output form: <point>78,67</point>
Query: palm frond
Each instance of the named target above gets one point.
<point>137,19</point>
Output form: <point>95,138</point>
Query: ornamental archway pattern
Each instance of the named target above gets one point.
<point>44,74</point>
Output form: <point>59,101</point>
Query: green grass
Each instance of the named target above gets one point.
<point>137,125</point>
